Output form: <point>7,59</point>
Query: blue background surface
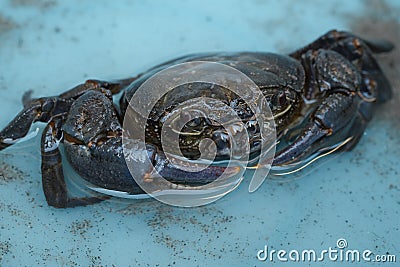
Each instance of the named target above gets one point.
<point>50,46</point>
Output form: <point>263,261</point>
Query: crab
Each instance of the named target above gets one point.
<point>321,96</point>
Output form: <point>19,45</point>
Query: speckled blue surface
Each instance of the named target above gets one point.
<point>49,46</point>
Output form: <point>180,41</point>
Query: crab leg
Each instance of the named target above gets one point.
<point>41,109</point>
<point>114,87</point>
<point>360,53</point>
<point>331,39</point>
<point>53,182</point>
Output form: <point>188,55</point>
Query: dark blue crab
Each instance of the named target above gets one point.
<point>320,95</point>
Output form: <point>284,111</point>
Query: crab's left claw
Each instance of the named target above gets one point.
<point>330,124</point>
<point>204,176</point>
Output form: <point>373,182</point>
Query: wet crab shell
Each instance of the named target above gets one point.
<point>279,77</point>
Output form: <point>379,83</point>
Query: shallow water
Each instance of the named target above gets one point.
<point>50,46</point>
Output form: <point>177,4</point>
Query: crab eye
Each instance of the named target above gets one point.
<point>279,100</point>
<point>282,99</point>
<point>368,91</point>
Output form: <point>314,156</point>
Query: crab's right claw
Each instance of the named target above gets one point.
<point>333,122</point>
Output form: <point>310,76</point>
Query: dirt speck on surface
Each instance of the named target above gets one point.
<point>380,21</point>
<point>208,222</point>
<point>42,4</point>
<point>80,227</point>
<point>207,230</point>
<point>6,24</point>
<point>5,248</point>
<point>9,173</point>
